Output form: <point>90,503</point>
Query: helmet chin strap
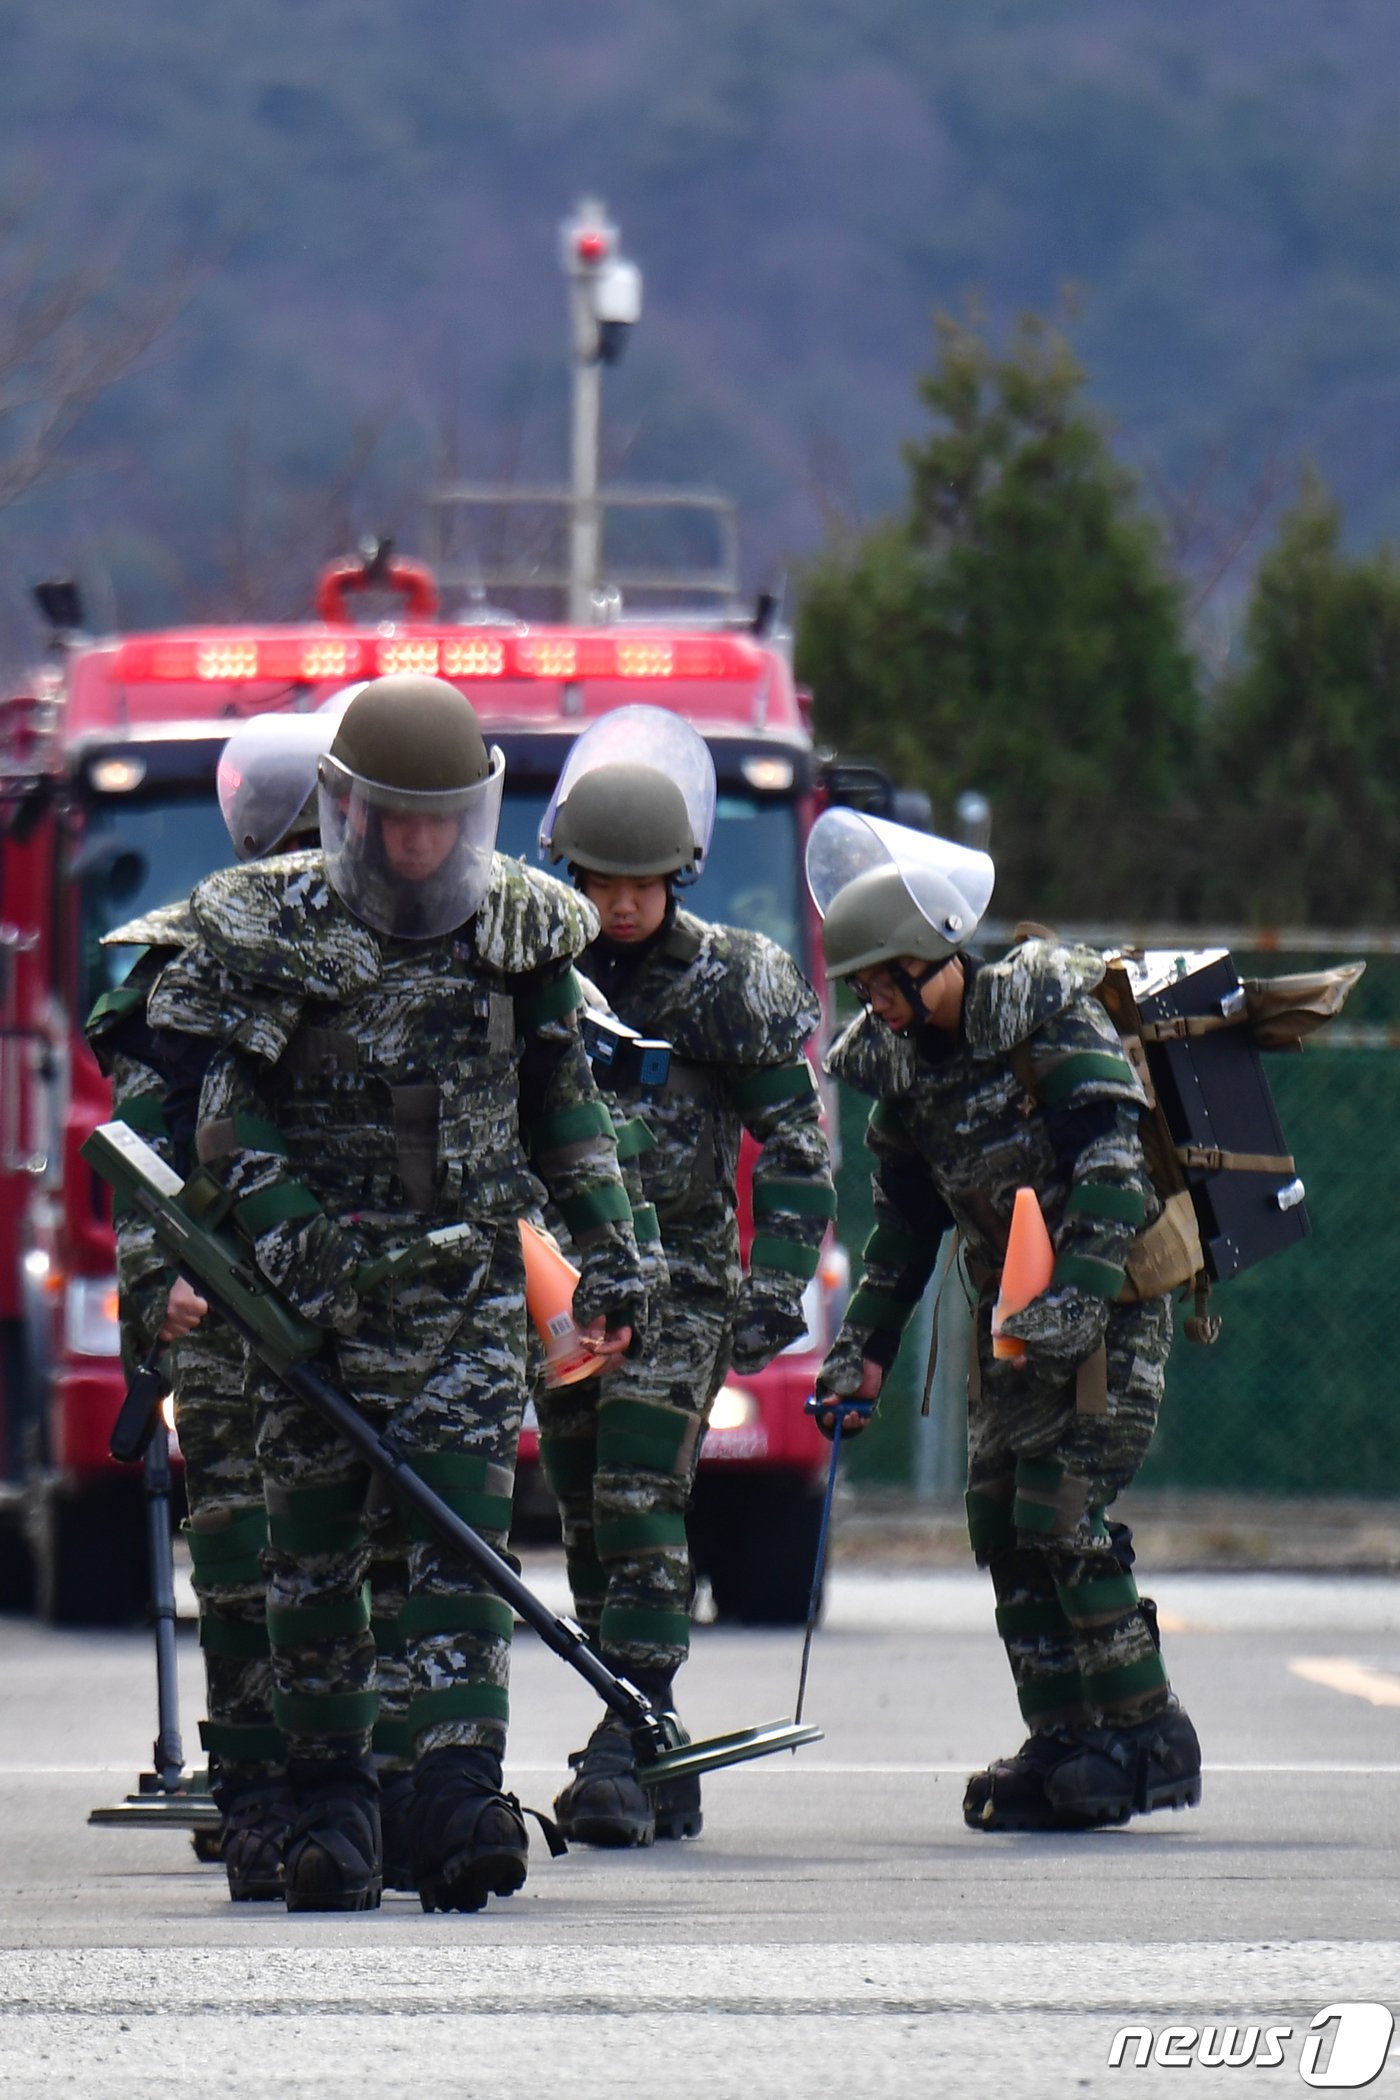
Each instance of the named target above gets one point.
<point>910,987</point>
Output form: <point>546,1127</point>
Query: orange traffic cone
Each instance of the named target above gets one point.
<point>550,1281</point>
<point>1026,1271</point>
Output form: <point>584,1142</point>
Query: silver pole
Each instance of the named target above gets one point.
<point>583,482</point>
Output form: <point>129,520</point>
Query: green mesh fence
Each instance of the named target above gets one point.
<point>1298,1397</point>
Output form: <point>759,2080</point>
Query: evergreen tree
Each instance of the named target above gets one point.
<point>1309,733</point>
<point>1016,632</point>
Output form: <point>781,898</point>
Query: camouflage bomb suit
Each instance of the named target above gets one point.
<point>621,1454</point>
<point>155,1088</point>
<point>364,1089</point>
<point>1035,1091</point>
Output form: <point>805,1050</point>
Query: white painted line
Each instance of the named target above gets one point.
<point>1356,1680</point>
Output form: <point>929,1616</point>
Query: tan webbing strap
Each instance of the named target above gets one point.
<point>1179,1027</point>
<point>1091,1384</point>
<point>1209,1159</point>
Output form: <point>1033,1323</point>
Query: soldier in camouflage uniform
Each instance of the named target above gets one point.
<point>621,1456</point>
<point>986,1078</point>
<point>396,1045</point>
<point>267,780</point>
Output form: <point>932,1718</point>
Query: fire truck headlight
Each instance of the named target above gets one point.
<point>90,1326</point>
<point>733,1408</point>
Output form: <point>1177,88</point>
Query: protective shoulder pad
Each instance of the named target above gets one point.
<point>872,1059</point>
<point>528,919</point>
<point>279,922</point>
<point>195,995</point>
<point>167,926</point>
<point>746,1002</point>
<point>1009,1001</point>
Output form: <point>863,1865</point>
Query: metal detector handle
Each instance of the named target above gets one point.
<point>140,1411</point>
<point>841,1409</point>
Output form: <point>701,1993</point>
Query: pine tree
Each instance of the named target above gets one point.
<point>1016,632</point>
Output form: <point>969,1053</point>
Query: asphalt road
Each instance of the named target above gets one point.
<point>835,1929</point>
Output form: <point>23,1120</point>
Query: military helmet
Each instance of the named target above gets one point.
<point>266,780</point>
<point>636,796</point>
<point>884,891</point>
<point>874,919</point>
<point>410,803</point>
<point>414,734</point>
<point>624,820</point>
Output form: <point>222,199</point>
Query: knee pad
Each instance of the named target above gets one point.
<point>647,1436</point>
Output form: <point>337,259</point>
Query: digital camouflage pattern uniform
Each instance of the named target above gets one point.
<point>155,1088</point>
<point>364,1089</point>
<point>620,1453</point>
<point>1036,1091</point>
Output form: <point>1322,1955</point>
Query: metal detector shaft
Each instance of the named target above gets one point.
<point>168,1756</point>
<point>840,1409</point>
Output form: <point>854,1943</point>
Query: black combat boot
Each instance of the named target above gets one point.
<point>258,1816</point>
<point>1123,1771</point>
<point>333,1847</point>
<point>1012,1794</point>
<point>395,1812</point>
<point>468,1837</point>
<point>604,1804</point>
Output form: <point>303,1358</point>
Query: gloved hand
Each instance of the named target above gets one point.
<point>1060,1329</point>
<point>612,1289</point>
<point>847,1374</point>
<point>766,1319</point>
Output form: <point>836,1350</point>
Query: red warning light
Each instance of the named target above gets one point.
<point>591,244</point>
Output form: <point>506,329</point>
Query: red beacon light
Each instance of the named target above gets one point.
<point>592,245</point>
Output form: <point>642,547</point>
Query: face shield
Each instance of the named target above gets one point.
<point>904,892</point>
<point>414,865</point>
<point>266,778</point>
<point>649,737</point>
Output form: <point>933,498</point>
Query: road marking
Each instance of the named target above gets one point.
<point>1356,1680</point>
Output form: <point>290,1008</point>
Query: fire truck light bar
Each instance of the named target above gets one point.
<point>238,659</point>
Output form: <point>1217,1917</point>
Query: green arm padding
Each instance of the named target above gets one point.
<point>805,1199</point>
<point>549,1002</point>
<point>633,1138</point>
<point>771,1251</point>
<point>1097,1279</point>
<point>1105,1199</point>
<point>1078,1069</point>
<point>570,1126</point>
<point>607,1205</point>
<point>772,1084</point>
<point>646,1226</point>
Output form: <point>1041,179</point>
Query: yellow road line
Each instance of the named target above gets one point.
<point>1356,1680</point>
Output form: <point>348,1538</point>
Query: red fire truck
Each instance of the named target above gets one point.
<point>106,808</point>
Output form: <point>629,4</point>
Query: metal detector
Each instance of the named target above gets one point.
<point>167,1796</point>
<point>220,1269</point>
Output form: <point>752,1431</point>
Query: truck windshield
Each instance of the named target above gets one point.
<point>753,874</point>
<point>137,854</point>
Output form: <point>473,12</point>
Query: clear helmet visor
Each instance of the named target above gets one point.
<point>267,776</point>
<point>414,865</point>
<point>846,844</point>
<point>643,736</point>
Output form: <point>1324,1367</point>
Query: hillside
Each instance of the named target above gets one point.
<point>802,183</point>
